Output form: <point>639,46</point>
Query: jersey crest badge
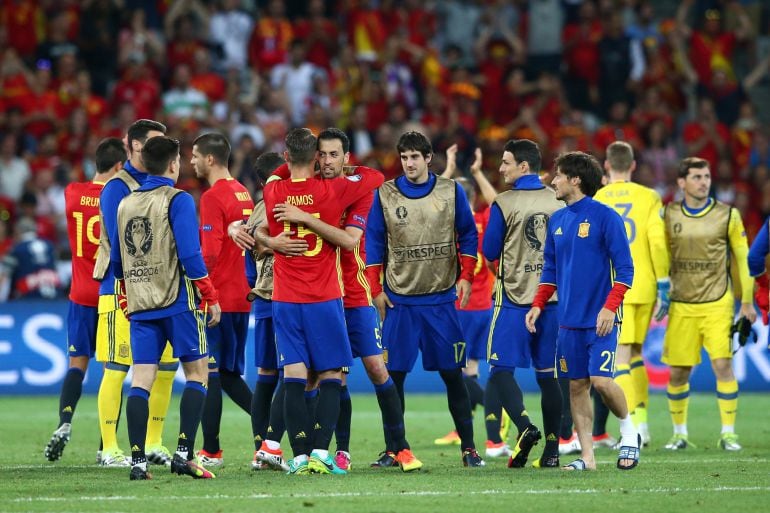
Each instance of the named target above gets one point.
<point>583,229</point>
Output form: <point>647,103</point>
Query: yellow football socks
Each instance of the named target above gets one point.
<point>678,400</point>
<point>624,381</point>
<point>641,389</point>
<point>160,398</point>
<point>108,401</point>
<point>727,399</point>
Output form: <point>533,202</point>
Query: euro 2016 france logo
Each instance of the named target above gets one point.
<point>138,236</point>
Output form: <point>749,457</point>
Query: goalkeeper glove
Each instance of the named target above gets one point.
<point>664,299</point>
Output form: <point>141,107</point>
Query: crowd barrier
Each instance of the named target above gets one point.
<point>33,358</point>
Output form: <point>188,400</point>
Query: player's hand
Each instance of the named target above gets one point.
<point>531,318</point>
<point>762,297</point>
<point>240,235</point>
<point>285,213</point>
<point>747,311</point>
<point>214,312</point>
<point>464,292</point>
<point>664,299</point>
<point>283,243</point>
<point>477,161</point>
<point>604,322</point>
<point>382,303</point>
<point>451,154</point>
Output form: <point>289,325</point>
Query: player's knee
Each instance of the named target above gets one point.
<point>79,362</point>
<point>602,384</point>
<point>376,370</point>
<point>267,372</point>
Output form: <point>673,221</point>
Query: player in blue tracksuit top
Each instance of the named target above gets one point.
<point>757,255</point>
<point>421,232</point>
<point>158,262</point>
<point>588,260</point>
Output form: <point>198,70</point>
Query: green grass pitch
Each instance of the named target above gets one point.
<point>699,479</point>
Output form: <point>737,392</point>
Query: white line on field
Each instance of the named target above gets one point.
<point>420,493</point>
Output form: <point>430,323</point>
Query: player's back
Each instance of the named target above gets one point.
<point>312,277</point>
<point>640,208</point>
<point>83,229</point>
<point>226,201</point>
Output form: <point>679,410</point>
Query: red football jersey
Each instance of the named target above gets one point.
<point>483,280</point>
<point>313,277</point>
<point>226,201</point>
<point>357,291</point>
<point>83,228</point>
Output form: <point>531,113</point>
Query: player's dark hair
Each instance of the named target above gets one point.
<point>301,145</point>
<point>584,166</point>
<point>266,164</point>
<point>620,156</point>
<point>109,152</point>
<point>214,144</point>
<point>414,141</point>
<point>332,133</point>
<point>690,162</point>
<point>524,150</point>
<point>139,129</point>
<point>158,153</point>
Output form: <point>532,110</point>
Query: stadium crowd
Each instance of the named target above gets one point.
<point>570,75</point>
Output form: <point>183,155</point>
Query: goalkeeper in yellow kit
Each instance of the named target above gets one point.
<point>640,207</point>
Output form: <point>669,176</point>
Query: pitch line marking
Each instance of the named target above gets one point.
<point>416,493</point>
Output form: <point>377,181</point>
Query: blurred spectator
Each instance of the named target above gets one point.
<point>544,25</point>
<point>320,34</point>
<point>295,79</point>
<point>30,266</point>
<point>138,42</point>
<point>59,41</point>
<point>25,24</point>
<point>98,41</point>
<point>271,37</point>
<point>459,24</point>
<point>705,136</point>
<point>711,47</point>
<point>183,101</point>
<point>361,141</point>
<point>14,171</point>
<point>659,153</point>
<point>617,128</point>
<point>182,24</point>
<point>230,28</point>
<point>581,53</point>
<point>367,30</point>
<point>621,64</point>
<point>140,88</point>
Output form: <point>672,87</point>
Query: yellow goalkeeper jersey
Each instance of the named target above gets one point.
<point>640,207</point>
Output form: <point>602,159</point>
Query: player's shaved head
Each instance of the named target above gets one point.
<point>620,156</point>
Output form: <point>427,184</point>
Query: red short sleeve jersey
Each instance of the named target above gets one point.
<point>83,228</point>
<point>357,291</point>
<point>313,277</point>
<point>483,280</point>
<point>226,201</point>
